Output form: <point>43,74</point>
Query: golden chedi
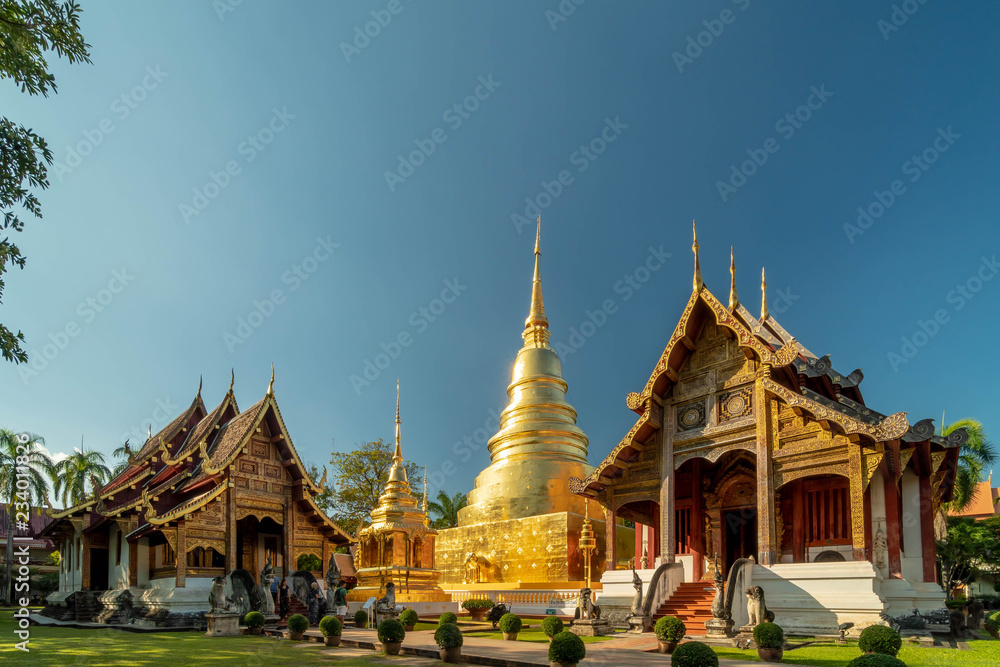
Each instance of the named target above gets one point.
<point>521,527</point>
<point>399,544</point>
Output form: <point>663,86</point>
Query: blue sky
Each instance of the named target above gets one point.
<point>223,159</point>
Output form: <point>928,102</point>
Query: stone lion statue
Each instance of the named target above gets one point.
<point>756,609</point>
<point>585,607</point>
<point>217,597</point>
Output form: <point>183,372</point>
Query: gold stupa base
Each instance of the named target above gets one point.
<point>412,585</point>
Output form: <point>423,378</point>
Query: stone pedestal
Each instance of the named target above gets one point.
<point>223,624</point>
<point>639,624</point>
<point>719,627</point>
<point>590,627</point>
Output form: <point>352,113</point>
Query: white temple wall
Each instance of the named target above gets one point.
<point>117,572</point>
<point>142,553</point>
<point>910,547</point>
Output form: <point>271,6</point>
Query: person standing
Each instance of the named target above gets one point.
<point>315,597</point>
<point>283,601</point>
<point>340,598</point>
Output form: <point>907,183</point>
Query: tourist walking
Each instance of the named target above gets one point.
<point>340,600</point>
<point>283,602</point>
<point>315,597</point>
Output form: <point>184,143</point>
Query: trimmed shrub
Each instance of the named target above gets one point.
<point>254,619</point>
<point>880,639</point>
<point>510,623</point>
<point>477,603</point>
<point>330,626</point>
<point>694,654</point>
<point>390,630</point>
<point>448,635</point>
<point>448,617</point>
<point>567,647</point>
<point>876,660</point>
<point>992,622</point>
<point>298,623</point>
<point>360,618</point>
<point>670,629</point>
<point>552,626</point>
<point>769,635</point>
<point>408,617</point>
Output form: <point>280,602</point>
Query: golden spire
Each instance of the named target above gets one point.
<point>733,299</point>
<point>200,379</point>
<point>427,517</point>
<point>698,282</point>
<point>232,379</point>
<point>398,454</point>
<point>270,386</point>
<point>397,486</point>
<point>763,296</point>
<point>536,326</point>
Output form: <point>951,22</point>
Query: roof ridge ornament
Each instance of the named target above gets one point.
<point>201,379</point>
<point>699,284</point>
<point>734,300</point>
<point>536,326</point>
<point>270,386</point>
<point>763,296</point>
<point>232,379</point>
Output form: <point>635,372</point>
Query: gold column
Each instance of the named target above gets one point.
<point>181,554</point>
<point>857,491</point>
<point>763,406</point>
<point>668,538</point>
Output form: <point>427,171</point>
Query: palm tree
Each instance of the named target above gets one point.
<point>74,474</point>
<point>12,448</point>
<point>446,507</point>
<point>976,454</point>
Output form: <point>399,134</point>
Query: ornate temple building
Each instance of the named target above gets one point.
<point>216,493</point>
<point>398,546</point>
<point>521,526</point>
<point>749,445</point>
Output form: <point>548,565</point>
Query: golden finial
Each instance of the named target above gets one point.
<point>763,296</point>
<point>398,454</point>
<point>536,327</point>
<point>270,386</point>
<point>232,379</point>
<point>698,282</point>
<point>149,432</point>
<point>427,517</point>
<point>201,378</point>
<point>733,299</point>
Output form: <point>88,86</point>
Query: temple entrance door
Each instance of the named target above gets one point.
<point>98,569</point>
<point>739,534</point>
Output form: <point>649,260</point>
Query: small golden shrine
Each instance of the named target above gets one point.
<point>399,545</point>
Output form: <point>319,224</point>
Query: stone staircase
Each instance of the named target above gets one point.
<point>296,606</point>
<point>88,606</point>
<point>692,603</point>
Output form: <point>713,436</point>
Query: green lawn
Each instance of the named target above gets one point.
<point>983,653</point>
<point>530,635</point>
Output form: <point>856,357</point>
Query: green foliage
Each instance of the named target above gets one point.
<point>992,622</point>
<point>876,660</point>
<point>970,549</point>
<point>552,625</point>
<point>330,626</point>
<point>298,623</point>
<point>447,617</point>
<point>510,623</point>
<point>567,647</point>
<point>448,635</point>
<point>310,562</point>
<point>38,467</point>
<point>78,471</point>
<point>477,603</point>
<point>254,619</point>
<point>28,31</point>
<point>974,457</point>
<point>391,631</point>
<point>409,617</point>
<point>358,478</point>
<point>446,508</point>
<point>670,629</point>
<point>360,617</point>
<point>694,654</point>
<point>880,639</point>
<point>769,635</point>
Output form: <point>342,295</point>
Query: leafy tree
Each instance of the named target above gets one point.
<point>976,455</point>
<point>38,465</point>
<point>446,508</point>
<point>29,30</point>
<point>358,479</point>
<point>74,473</point>
<point>970,549</point>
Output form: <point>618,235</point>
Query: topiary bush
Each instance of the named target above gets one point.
<point>694,654</point>
<point>477,603</point>
<point>448,617</point>
<point>552,626</point>
<point>510,623</point>
<point>769,635</point>
<point>567,647</point>
<point>254,619</point>
<point>408,617</point>
<point>876,660</point>
<point>880,639</point>
<point>361,618</point>
<point>330,626</point>
<point>992,622</point>
<point>298,623</point>
<point>670,629</point>
<point>448,635</point>
<point>391,631</point>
